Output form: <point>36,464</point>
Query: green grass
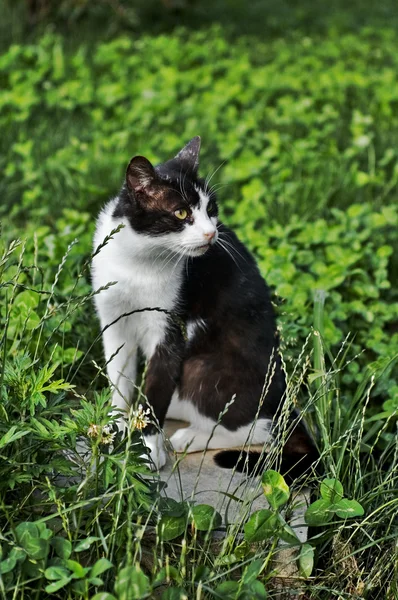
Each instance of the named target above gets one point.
<point>97,518</point>
<point>296,105</point>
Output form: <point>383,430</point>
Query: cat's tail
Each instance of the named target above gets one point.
<point>298,457</point>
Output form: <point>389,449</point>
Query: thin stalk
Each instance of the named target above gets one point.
<point>320,380</point>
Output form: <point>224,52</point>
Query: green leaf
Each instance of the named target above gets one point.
<point>205,517</point>
<point>85,544</point>
<point>252,571</point>
<point>257,591</point>
<point>346,509</point>
<point>19,554</point>
<point>104,596</point>
<point>168,573</point>
<point>25,531</point>
<point>286,533</point>
<point>319,512</point>
<point>242,549</point>
<point>228,590</point>
<point>7,565</point>
<point>201,573</point>
<point>34,569</point>
<point>57,585</point>
<point>44,532</point>
<point>54,573</point>
<point>27,299</point>
<point>62,547</point>
<point>13,434</point>
<point>77,569</point>
<point>95,581</point>
<point>261,526</point>
<point>332,490</point>
<point>79,586</point>
<point>172,508</point>
<point>275,488</point>
<point>131,583</point>
<point>102,565</point>
<point>171,527</point>
<point>28,537</point>
<point>306,560</point>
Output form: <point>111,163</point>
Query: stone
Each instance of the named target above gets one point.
<point>196,477</point>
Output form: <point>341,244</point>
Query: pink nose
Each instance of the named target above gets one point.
<point>209,236</point>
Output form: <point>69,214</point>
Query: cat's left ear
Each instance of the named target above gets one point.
<point>140,174</point>
<point>188,157</point>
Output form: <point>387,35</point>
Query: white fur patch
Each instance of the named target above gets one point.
<point>146,275</point>
<point>158,454</point>
<point>204,433</point>
<point>192,439</point>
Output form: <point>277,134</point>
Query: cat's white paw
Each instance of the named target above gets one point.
<point>188,439</point>
<point>158,454</point>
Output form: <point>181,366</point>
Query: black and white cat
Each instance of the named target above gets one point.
<point>174,254</point>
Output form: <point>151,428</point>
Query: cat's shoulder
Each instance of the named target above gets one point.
<point>105,221</point>
<point>108,243</point>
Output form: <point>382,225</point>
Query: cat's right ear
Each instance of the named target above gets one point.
<point>140,175</point>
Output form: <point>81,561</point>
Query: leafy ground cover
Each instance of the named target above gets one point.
<point>299,117</point>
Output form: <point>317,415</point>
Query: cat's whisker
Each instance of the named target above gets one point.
<point>177,263</point>
<point>228,252</point>
<point>170,258</point>
<point>164,257</point>
<point>182,180</point>
<point>217,186</point>
<point>162,253</point>
<point>180,194</point>
<point>179,180</point>
<point>158,257</point>
<point>228,243</point>
<point>186,265</point>
<point>208,179</point>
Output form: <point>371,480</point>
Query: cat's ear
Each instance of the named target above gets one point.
<point>188,157</point>
<point>140,174</point>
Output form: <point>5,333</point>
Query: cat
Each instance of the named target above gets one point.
<point>174,254</point>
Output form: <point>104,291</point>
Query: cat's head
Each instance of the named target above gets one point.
<point>170,204</point>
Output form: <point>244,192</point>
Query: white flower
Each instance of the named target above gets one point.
<point>103,433</point>
<point>94,430</point>
<point>140,417</point>
<point>107,435</point>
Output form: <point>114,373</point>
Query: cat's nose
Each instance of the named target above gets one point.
<point>209,236</point>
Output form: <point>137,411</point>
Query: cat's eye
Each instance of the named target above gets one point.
<point>181,213</point>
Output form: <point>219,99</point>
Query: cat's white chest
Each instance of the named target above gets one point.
<point>143,288</point>
<point>144,291</point>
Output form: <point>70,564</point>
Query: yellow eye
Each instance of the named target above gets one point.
<point>181,213</point>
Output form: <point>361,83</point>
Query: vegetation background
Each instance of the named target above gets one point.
<point>297,106</point>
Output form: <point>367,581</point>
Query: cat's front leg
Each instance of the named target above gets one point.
<point>162,377</point>
<point>121,359</point>
<point>155,444</point>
